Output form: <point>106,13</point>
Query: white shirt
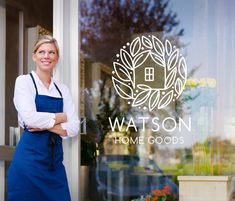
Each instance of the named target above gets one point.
<point>24,100</point>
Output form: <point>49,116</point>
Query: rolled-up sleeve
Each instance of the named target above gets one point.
<point>72,124</point>
<point>24,101</point>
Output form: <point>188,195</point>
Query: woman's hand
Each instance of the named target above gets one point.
<point>60,118</point>
<point>34,129</point>
<point>57,129</point>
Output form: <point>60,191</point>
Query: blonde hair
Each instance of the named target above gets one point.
<point>45,39</point>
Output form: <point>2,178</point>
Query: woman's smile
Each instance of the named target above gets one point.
<point>46,57</point>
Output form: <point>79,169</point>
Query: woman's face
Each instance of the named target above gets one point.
<point>46,57</point>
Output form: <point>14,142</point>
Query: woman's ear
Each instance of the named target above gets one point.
<point>33,57</point>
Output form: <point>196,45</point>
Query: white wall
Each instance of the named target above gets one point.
<point>66,31</point>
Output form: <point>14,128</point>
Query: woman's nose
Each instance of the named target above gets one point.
<point>46,55</point>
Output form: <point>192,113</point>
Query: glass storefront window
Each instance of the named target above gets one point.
<point>132,151</point>
<point>203,31</point>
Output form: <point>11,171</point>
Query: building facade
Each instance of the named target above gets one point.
<point>21,23</point>
<point>172,115</point>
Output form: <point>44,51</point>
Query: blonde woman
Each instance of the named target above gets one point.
<point>46,112</point>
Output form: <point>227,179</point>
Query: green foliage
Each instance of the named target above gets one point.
<point>88,143</point>
<point>214,156</point>
<point>164,194</point>
<point>106,112</point>
<point>88,153</point>
<point>118,166</point>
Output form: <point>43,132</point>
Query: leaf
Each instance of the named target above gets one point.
<point>170,79</point>
<point>120,68</point>
<point>143,87</point>
<point>126,59</point>
<point>146,42</point>
<point>178,86</point>
<point>182,68</point>
<point>135,46</point>
<point>154,99</point>
<point>157,59</point>
<point>158,46</point>
<point>123,89</point>
<point>165,100</point>
<point>168,47</point>
<point>140,58</point>
<point>141,98</point>
<point>173,59</point>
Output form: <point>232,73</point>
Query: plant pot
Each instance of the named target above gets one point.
<point>205,188</point>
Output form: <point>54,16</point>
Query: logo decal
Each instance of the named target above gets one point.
<point>148,73</point>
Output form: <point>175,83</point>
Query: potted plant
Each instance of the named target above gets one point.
<point>164,194</point>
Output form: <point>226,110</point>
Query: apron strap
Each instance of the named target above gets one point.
<point>34,83</point>
<point>31,75</point>
<point>58,90</point>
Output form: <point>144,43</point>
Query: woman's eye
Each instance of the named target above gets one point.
<point>41,52</point>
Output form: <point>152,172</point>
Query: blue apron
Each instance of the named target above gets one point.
<point>37,172</point>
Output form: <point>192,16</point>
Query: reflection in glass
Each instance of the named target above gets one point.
<point>207,100</point>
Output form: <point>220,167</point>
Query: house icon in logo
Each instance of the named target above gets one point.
<point>149,74</point>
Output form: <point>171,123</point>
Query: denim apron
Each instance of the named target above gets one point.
<point>37,172</point>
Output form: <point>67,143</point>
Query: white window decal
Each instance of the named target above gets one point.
<point>132,58</point>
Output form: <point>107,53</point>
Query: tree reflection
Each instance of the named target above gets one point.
<point>107,24</point>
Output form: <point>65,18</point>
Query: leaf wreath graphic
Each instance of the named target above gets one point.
<point>122,89</point>
<point>165,100</point>
<point>141,98</point>
<point>173,59</point>
<point>135,46</point>
<point>140,58</point>
<point>125,76</point>
<point>154,99</point>
<point>165,56</point>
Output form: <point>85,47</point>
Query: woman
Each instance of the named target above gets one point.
<point>46,112</point>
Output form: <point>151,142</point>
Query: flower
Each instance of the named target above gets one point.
<point>166,190</point>
<point>162,195</point>
<point>157,192</point>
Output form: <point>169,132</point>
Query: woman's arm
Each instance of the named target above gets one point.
<point>24,100</point>
<point>58,130</point>
<point>60,118</point>
<point>72,124</point>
